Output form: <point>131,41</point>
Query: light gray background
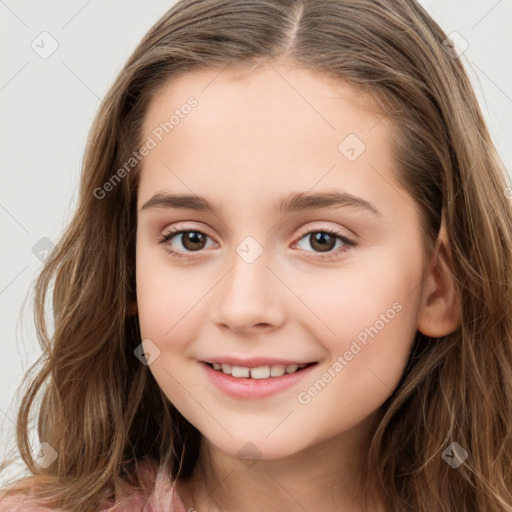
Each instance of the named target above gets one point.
<point>47,106</point>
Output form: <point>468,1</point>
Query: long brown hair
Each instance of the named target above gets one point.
<point>101,409</point>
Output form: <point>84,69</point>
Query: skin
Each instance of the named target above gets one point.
<point>253,137</point>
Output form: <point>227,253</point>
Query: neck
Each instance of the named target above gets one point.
<point>326,473</point>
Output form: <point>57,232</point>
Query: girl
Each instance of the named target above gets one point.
<point>287,285</point>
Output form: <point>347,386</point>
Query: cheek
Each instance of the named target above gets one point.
<point>159,308</point>
<point>368,291</point>
<point>166,315</point>
<point>166,299</point>
<point>172,305</point>
<point>164,294</point>
<point>372,316</point>
<point>367,358</point>
<point>366,316</point>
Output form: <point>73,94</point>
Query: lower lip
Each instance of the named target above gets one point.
<point>254,388</point>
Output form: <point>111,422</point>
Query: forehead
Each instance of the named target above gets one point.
<point>264,128</point>
<point>276,94</point>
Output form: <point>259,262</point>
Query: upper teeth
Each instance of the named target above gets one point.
<point>260,372</point>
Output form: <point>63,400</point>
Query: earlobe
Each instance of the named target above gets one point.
<point>133,308</point>
<point>440,312</point>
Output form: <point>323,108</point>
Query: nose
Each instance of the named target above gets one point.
<point>250,297</point>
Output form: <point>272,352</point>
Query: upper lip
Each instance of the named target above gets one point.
<point>253,362</point>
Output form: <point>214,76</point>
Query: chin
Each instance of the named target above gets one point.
<point>257,447</point>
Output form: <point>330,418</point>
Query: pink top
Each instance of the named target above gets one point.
<point>164,497</point>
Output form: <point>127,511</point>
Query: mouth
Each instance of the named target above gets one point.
<point>258,380</point>
<point>258,372</point>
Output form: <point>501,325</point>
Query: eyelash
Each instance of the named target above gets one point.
<point>175,231</point>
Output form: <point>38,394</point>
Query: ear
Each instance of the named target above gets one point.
<point>133,308</point>
<point>439,313</point>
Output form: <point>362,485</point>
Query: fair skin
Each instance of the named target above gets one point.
<point>252,138</point>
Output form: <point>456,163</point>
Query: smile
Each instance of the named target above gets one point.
<point>258,372</point>
<point>255,382</point>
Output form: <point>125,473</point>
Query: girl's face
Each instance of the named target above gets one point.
<point>301,247</point>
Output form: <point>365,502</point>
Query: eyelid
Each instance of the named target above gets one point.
<point>337,229</point>
<point>318,226</point>
<point>180,226</point>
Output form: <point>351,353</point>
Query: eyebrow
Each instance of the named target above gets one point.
<point>294,202</point>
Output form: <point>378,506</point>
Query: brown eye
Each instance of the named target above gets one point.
<point>188,241</point>
<point>322,241</point>
<point>193,240</point>
<point>325,241</point>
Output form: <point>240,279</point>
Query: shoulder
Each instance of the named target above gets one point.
<point>163,496</point>
<point>159,493</point>
<point>19,503</point>
<point>136,503</point>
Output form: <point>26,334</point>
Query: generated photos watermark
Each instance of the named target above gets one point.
<point>305,397</point>
<point>158,133</point>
